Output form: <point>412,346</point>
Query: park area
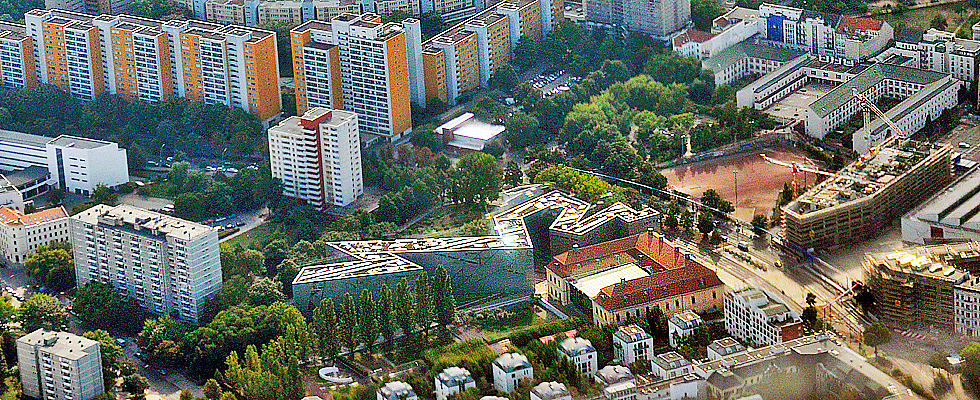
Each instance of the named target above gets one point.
<point>758,180</point>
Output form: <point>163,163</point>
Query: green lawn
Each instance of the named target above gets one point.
<point>923,16</point>
<point>257,237</point>
<point>497,324</point>
<point>443,222</point>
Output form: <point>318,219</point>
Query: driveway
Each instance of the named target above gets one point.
<point>164,383</point>
<point>250,221</point>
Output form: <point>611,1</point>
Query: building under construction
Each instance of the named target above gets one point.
<point>866,195</point>
<point>914,287</point>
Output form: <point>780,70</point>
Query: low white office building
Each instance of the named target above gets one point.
<point>20,234</point>
<point>59,365</point>
<point>451,381</point>
<point>581,354</point>
<point>550,391</point>
<point>508,370</point>
<point>466,132</point>
<point>682,325</point>
<point>632,343</point>
<point>79,165</point>
<point>396,390</point>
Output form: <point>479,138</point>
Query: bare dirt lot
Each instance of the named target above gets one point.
<point>758,181</point>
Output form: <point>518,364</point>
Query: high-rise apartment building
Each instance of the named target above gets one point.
<point>17,67</point>
<point>167,264</point>
<point>657,18</point>
<point>318,157</point>
<point>359,64</point>
<point>59,365</point>
<point>150,60</point>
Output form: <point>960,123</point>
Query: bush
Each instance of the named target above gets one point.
<point>522,337</point>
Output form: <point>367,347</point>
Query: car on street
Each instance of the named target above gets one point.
<point>121,341</point>
<point>964,145</point>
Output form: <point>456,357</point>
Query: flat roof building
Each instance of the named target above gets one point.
<point>760,318</point>
<point>59,365</point>
<point>949,216</point>
<point>466,132</point>
<point>913,287</point>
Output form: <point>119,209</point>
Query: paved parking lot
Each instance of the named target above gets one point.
<point>968,133</point>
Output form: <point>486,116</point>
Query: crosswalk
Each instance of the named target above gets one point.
<point>909,334</point>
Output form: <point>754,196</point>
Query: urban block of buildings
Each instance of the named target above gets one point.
<point>508,371</point>
<point>482,265</point>
<point>866,195</point>
<point>170,266</point>
<point>935,50</point>
<point>59,365</point>
<point>913,287</point>
<point>20,234</point>
<point>317,156</point>
<point>627,277</point>
<point>760,318</point>
<point>143,59</point>
<point>255,12</point>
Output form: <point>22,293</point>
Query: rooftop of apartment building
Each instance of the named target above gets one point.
<point>313,25</point>
<point>859,28</point>
<point>631,333</point>
<point>686,320</point>
<point>670,360</point>
<point>452,35</point>
<point>550,390</point>
<point>63,17</point>
<point>61,344</point>
<point>455,376</point>
<point>915,35</point>
<point>957,205</point>
<point>140,221</point>
<point>749,48</point>
<point>692,36</point>
<point>333,118</point>
<point>510,362</point>
<point>864,177</point>
<point>612,374</point>
<point>12,30</point>
<point>576,346</point>
<point>915,262</point>
<point>485,18</point>
<point>396,390</point>
<point>732,17</point>
<point>770,305</point>
<point>9,216</point>
<point>354,269</point>
<point>726,346</point>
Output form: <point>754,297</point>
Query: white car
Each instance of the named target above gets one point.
<point>964,145</point>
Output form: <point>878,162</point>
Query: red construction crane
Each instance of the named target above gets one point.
<point>796,170</point>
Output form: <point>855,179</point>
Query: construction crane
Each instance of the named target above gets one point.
<point>870,105</point>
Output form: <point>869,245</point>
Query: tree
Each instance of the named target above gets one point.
<point>443,299</point>
<point>324,323</point>
<point>211,390</point>
<point>385,310</point>
<point>347,328</point>
<point>135,384</point>
<point>940,360</point>
<point>156,9</point>
<point>522,129</point>
<point>504,79</point>
<point>706,223</point>
<point>513,175</point>
<point>105,195</point>
<point>42,311</point>
<point>369,318</point>
<point>759,223</point>
<point>404,307</point>
<point>265,292</point>
<point>477,178</point>
<point>970,366</point>
<point>876,335</point>
<point>52,266</point>
<point>525,53</point>
<point>704,12</point>
<point>938,22</point>
<point>97,302</point>
<point>56,196</point>
<point>670,222</point>
<point>423,301</point>
<point>110,352</point>
<point>811,299</point>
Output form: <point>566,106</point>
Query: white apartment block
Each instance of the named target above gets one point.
<point>580,353</point>
<point>75,164</point>
<point>318,157</point>
<point>825,34</point>
<point>508,370</point>
<point>760,318</point>
<point>632,343</point>
<point>359,64</point>
<point>451,381</point>
<point>20,234</point>
<point>682,325</point>
<point>966,307</point>
<point>167,264</point>
<point>59,366</point>
<point>550,391</point>
<point>670,365</point>
<point>618,381</point>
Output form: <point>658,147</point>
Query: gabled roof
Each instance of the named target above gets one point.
<point>692,35</point>
<point>10,216</point>
<point>664,284</point>
<point>851,24</point>
<point>644,249</point>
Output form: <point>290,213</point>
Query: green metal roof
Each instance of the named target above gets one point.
<point>748,48</point>
<point>868,78</point>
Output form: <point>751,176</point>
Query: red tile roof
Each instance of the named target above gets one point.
<point>645,249</point>
<point>692,35</point>
<point>850,24</point>
<point>669,283</point>
<point>13,217</point>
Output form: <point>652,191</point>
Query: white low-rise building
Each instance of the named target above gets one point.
<point>550,391</point>
<point>20,234</point>
<point>935,50</point>
<point>451,381</point>
<point>580,353</point>
<point>670,365</point>
<point>759,318</point>
<point>618,381</point>
<point>632,343</point>
<point>508,371</point>
<point>682,325</point>
<point>466,132</point>
<point>79,165</point>
<point>396,390</point>
<point>724,347</point>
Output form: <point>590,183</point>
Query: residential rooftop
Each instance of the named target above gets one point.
<point>510,362</point>
<point>455,376</point>
<point>670,361</point>
<point>726,346</point>
<point>576,346</point>
<point>142,221</point>
<point>631,333</point>
<point>9,216</point>
<point>396,390</point>
<point>612,374</point>
<point>61,344</point>
<point>550,390</point>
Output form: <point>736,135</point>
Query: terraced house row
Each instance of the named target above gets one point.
<point>143,59</point>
